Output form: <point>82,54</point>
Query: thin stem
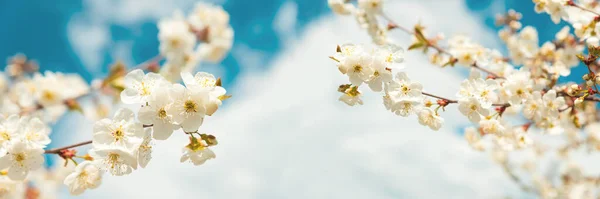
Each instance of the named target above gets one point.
<point>451,101</point>
<point>435,46</point>
<point>571,3</point>
<point>144,65</point>
<point>57,150</point>
<point>486,71</point>
<point>438,97</point>
<point>40,107</point>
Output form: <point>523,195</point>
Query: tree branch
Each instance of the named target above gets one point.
<point>393,24</point>
<point>57,150</point>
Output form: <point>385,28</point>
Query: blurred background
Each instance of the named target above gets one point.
<point>283,134</point>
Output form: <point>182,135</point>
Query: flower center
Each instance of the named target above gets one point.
<point>484,93</point>
<point>162,113</point>
<point>357,68</point>
<point>113,159</point>
<point>144,90</point>
<point>4,136</point>
<point>175,42</point>
<point>83,177</point>
<point>405,89</point>
<point>119,134</point>
<point>20,158</point>
<point>520,92</point>
<point>48,95</point>
<point>376,74</point>
<point>190,106</point>
<point>353,92</point>
<point>207,82</point>
<point>473,107</point>
<point>389,58</point>
<point>32,136</point>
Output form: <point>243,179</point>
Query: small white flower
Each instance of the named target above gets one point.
<point>87,175</point>
<point>34,132</point>
<point>220,42</point>
<point>391,53</point>
<point>9,130</point>
<point>139,87</point>
<point>406,107</point>
<point>402,88</point>
<point>208,15</point>
<point>206,82</point>
<point>175,36</point>
<point>116,160</point>
<point>11,189</point>
<point>471,107</point>
<point>197,153</point>
<point>552,103</point>
<point>144,152</point>
<point>189,107</point>
<point>358,68</point>
<point>492,126</point>
<point>158,113</point>
<point>428,117</point>
<point>49,89</point>
<point>523,140</point>
<point>473,137</point>
<point>533,106</point>
<point>371,6</point>
<point>555,8</point>
<point>201,80</point>
<point>21,159</point>
<point>380,76</point>
<point>340,7</point>
<point>352,96</point>
<point>520,86</point>
<point>122,131</point>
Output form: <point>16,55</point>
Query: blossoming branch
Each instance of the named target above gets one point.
<point>516,103</point>
<point>31,101</point>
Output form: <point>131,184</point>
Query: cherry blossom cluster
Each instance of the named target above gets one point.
<point>516,103</point>
<point>205,34</point>
<point>31,102</point>
<point>374,67</point>
<point>24,90</point>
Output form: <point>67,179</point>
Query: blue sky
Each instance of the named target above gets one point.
<point>284,90</point>
<point>40,30</point>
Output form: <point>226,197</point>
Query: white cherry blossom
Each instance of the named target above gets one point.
<point>21,159</point>
<point>116,160</point>
<point>87,175</point>
<point>188,107</point>
<point>139,87</point>
<point>158,114</point>
<point>121,131</point>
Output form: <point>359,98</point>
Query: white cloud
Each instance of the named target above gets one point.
<point>285,20</point>
<point>285,135</point>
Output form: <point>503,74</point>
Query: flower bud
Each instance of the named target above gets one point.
<point>578,100</point>
<point>574,86</point>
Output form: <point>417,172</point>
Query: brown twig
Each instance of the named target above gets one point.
<point>435,46</point>
<point>573,4</point>
<point>57,150</point>
<point>451,101</point>
<point>25,111</point>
